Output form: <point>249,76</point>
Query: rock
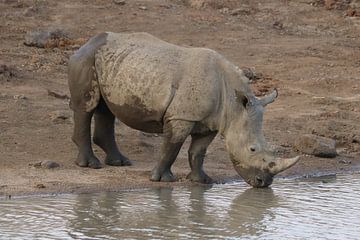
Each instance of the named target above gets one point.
<point>59,116</point>
<point>19,97</point>
<point>45,164</point>
<point>58,95</point>
<point>240,11</point>
<point>41,38</point>
<point>119,2</point>
<point>329,4</point>
<point>49,164</point>
<point>197,4</point>
<point>40,185</point>
<point>224,10</point>
<point>7,71</point>
<point>201,4</point>
<point>316,145</point>
<point>346,162</point>
<point>278,25</point>
<point>143,8</point>
<point>355,139</point>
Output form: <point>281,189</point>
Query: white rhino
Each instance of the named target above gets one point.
<point>158,87</point>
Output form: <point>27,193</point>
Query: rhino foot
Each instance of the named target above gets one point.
<point>119,161</point>
<point>166,176</point>
<point>86,161</point>
<point>200,177</point>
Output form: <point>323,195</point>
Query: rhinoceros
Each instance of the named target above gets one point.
<point>158,87</point>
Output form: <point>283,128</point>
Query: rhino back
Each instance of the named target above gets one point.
<point>137,75</point>
<point>144,79</point>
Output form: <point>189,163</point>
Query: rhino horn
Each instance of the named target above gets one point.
<point>282,164</point>
<point>269,98</point>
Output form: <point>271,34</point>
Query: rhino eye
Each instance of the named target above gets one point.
<point>252,149</point>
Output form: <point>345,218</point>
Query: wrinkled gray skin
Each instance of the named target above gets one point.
<point>157,87</point>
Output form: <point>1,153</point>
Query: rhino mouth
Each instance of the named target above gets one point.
<point>260,181</point>
<point>262,176</point>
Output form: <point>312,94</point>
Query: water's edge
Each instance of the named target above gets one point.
<point>309,176</point>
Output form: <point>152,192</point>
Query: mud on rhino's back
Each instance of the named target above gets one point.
<point>138,76</point>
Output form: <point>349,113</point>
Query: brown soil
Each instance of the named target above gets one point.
<point>311,54</point>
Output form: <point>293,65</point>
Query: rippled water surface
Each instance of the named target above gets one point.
<point>296,209</point>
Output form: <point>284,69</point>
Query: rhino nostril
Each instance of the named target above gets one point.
<point>259,180</point>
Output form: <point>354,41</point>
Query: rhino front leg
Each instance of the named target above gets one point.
<point>82,138</point>
<point>197,151</point>
<point>175,133</point>
<point>104,136</point>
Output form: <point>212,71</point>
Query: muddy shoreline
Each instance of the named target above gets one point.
<point>53,191</point>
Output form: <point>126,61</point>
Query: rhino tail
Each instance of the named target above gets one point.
<point>82,78</point>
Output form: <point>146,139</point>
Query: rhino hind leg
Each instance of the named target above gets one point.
<point>175,133</point>
<point>197,151</point>
<point>82,139</point>
<point>104,136</point>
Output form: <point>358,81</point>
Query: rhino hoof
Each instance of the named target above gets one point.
<point>91,162</point>
<point>123,161</point>
<point>166,176</point>
<point>201,177</point>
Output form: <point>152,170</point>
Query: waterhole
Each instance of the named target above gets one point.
<point>292,209</point>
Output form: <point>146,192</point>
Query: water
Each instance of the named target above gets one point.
<point>291,209</point>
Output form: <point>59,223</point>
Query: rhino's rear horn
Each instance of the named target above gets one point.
<point>282,164</point>
<point>269,98</point>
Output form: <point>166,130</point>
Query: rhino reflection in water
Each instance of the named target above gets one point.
<point>158,87</point>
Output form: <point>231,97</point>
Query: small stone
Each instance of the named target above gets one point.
<point>19,97</point>
<point>35,165</point>
<point>240,11</point>
<point>355,139</point>
<point>316,145</point>
<point>278,25</point>
<point>224,10</point>
<point>7,71</point>
<point>346,162</point>
<point>49,164</point>
<point>59,116</point>
<point>143,8</point>
<point>40,185</point>
<point>58,95</point>
<point>119,2</point>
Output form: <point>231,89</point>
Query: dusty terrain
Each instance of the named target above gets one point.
<point>309,51</point>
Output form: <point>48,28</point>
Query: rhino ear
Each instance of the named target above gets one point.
<point>241,98</point>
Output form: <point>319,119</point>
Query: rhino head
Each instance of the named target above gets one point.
<point>249,152</point>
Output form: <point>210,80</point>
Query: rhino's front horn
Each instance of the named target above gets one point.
<point>269,98</point>
<point>282,164</point>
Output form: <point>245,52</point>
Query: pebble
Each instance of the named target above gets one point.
<point>240,11</point>
<point>40,185</point>
<point>19,97</point>
<point>119,2</point>
<point>58,95</point>
<point>59,116</point>
<point>49,164</point>
<point>346,162</point>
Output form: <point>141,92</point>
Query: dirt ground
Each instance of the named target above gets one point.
<point>309,51</point>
